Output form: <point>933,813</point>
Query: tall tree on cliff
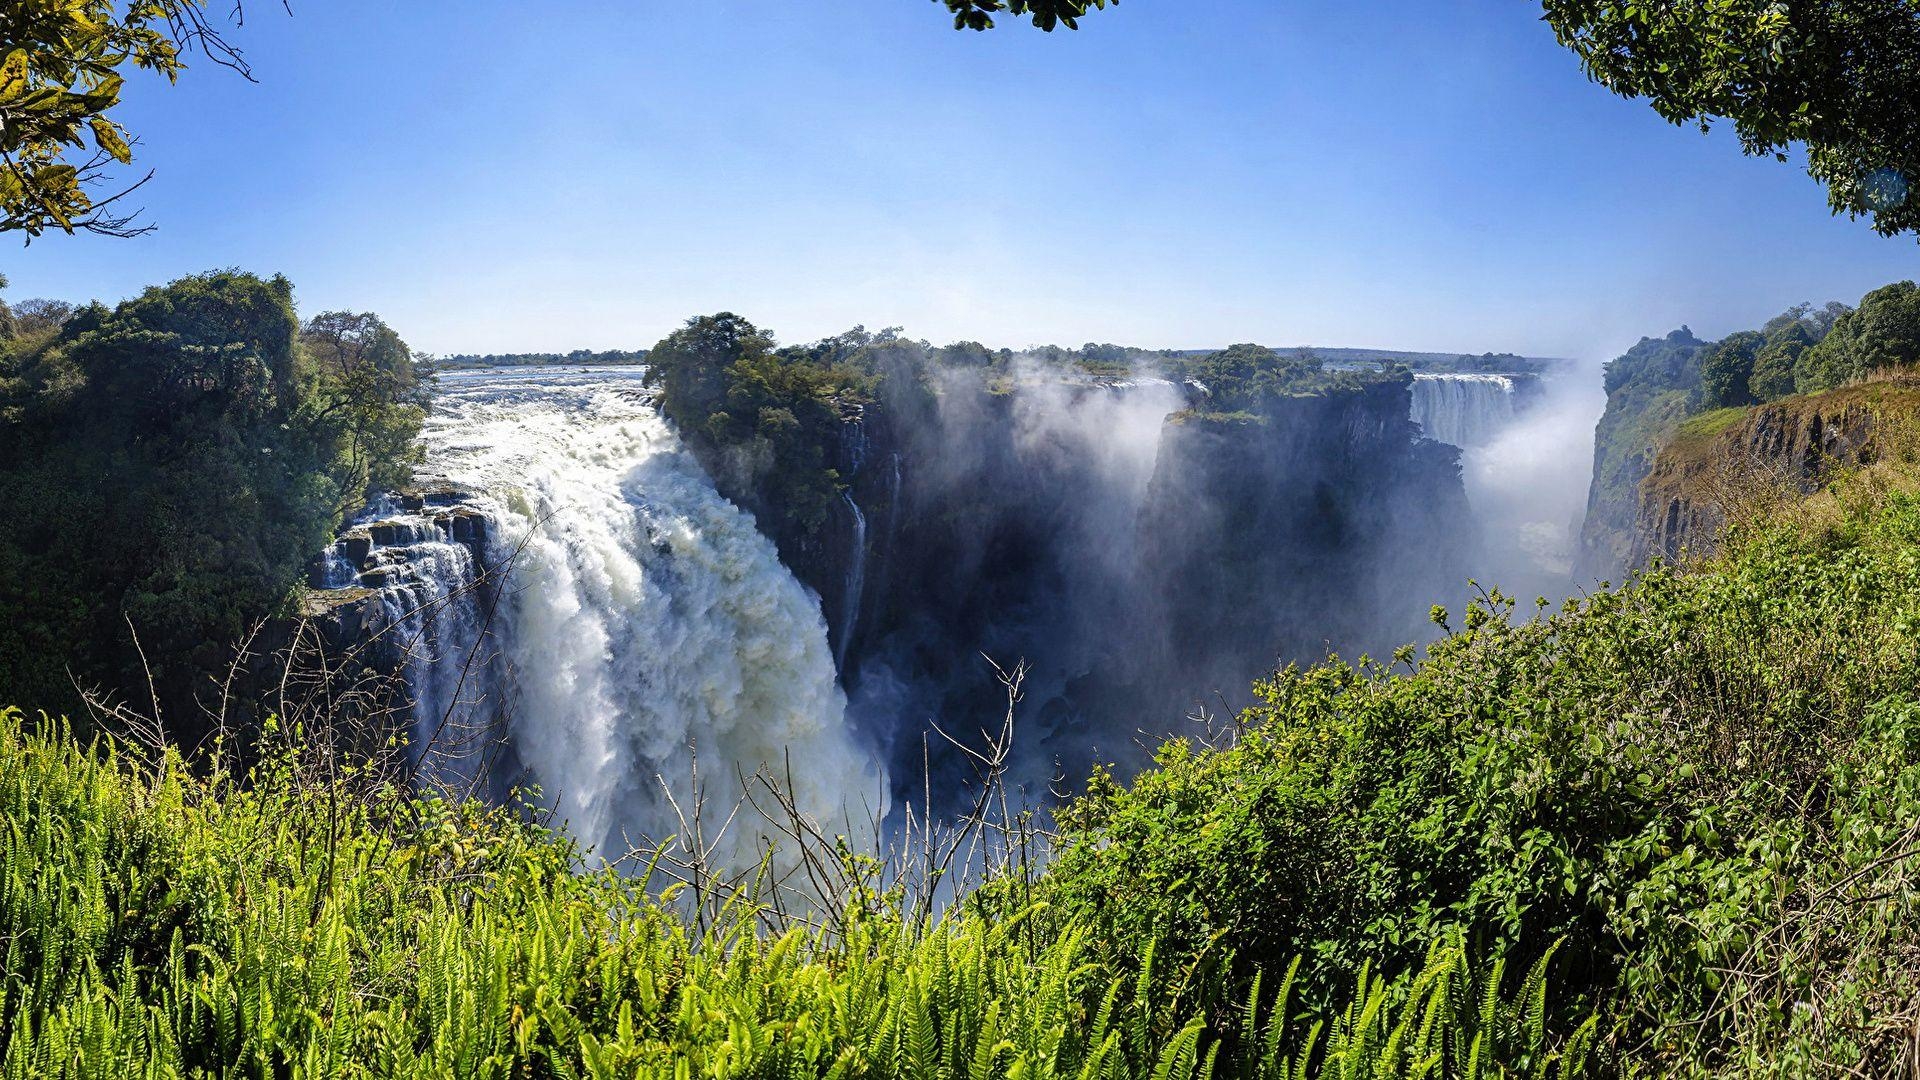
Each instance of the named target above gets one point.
<point>171,465</point>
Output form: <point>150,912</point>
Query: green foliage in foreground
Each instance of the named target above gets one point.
<point>1706,786</point>
<point>155,924</point>
<point>1695,798</point>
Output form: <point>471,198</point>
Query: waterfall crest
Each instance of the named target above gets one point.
<point>645,622</point>
<point>1466,410</point>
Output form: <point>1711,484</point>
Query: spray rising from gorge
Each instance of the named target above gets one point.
<point>1144,556</point>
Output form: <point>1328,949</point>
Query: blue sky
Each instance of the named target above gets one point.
<point>496,176</point>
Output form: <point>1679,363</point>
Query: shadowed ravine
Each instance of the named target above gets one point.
<point>1144,563</point>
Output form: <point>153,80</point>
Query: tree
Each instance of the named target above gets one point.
<point>1882,333</point>
<point>1840,76</point>
<point>176,462</point>
<point>368,394</point>
<point>965,354</point>
<point>1773,365</point>
<point>1727,367</point>
<point>690,365</point>
<point>1242,377</point>
<point>61,73</point>
<point>1046,14</point>
<point>766,424</point>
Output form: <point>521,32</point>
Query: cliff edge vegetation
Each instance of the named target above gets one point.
<point>1660,383</point>
<point>168,468</point>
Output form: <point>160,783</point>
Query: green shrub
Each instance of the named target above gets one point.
<point>159,924</point>
<point>1704,785</point>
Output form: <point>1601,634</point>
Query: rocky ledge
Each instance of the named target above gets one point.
<point>392,551</point>
<point>1720,463</point>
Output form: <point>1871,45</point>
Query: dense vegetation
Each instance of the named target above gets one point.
<point>765,422</point>
<point>160,924</point>
<point>1650,390</point>
<point>1802,350</point>
<point>169,467</point>
<point>1703,786</point>
<point>1686,808</point>
<point>1241,382</point>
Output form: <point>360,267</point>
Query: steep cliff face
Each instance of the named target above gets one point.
<point>1144,560</point>
<point>1720,462</point>
<point>1326,526</point>
<point>409,580</point>
<point>1651,390</point>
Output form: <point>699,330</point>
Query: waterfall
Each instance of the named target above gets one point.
<point>645,627</point>
<point>856,579</point>
<point>1467,410</point>
<point>853,446</point>
<point>434,621</point>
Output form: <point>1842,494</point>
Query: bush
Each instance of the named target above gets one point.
<point>1703,784</point>
<point>157,924</point>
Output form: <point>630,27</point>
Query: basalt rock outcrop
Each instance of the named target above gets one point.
<point>1325,525</point>
<point>1722,464</point>
<point>407,555</point>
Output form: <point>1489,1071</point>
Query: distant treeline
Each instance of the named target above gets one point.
<point>538,359</point>
<point>1096,358</point>
<point>1500,363</point>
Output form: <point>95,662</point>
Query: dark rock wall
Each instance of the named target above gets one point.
<point>1327,528</point>
<point>1327,525</point>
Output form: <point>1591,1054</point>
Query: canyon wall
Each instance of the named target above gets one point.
<point>1723,464</point>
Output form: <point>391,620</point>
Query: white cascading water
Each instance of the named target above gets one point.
<point>435,619</point>
<point>646,620</point>
<point>856,578</point>
<point>1466,410</point>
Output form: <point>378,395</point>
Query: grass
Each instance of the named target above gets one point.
<point>1710,423</point>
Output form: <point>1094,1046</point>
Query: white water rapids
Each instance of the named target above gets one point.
<point>646,620</point>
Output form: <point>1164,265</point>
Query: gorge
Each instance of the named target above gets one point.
<point>572,599</point>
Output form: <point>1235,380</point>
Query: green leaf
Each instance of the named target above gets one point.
<point>107,137</point>
<point>13,75</point>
